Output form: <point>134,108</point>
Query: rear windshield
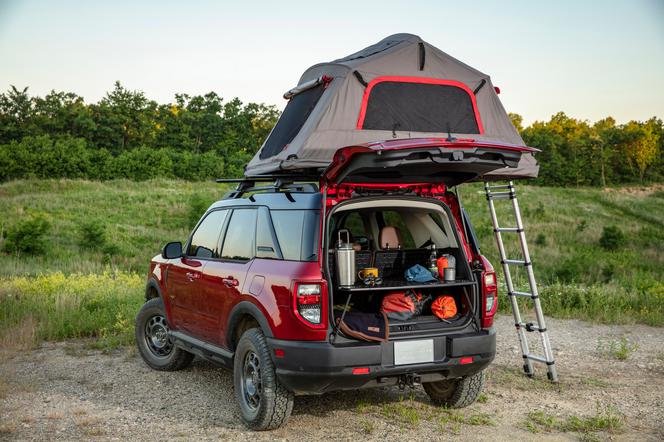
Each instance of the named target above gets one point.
<point>297,233</point>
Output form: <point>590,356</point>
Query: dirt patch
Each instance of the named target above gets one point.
<point>636,190</point>
<point>67,392</point>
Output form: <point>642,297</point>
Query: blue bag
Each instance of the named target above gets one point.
<point>418,273</point>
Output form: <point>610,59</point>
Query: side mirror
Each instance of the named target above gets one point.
<point>172,250</point>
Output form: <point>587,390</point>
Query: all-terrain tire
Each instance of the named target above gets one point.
<point>153,342</point>
<point>271,404</point>
<point>455,393</point>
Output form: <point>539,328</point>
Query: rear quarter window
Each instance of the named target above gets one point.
<point>297,233</point>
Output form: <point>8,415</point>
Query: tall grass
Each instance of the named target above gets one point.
<point>56,306</point>
<point>136,218</point>
<point>74,289</point>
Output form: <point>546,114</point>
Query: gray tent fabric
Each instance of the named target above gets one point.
<point>335,112</point>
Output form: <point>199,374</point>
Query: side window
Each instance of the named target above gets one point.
<point>394,219</point>
<point>266,246</point>
<point>204,241</point>
<point>240,239</point>
<point>297,233</point>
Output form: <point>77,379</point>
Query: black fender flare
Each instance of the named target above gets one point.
<point>152,284</point>
<point>241,309</point>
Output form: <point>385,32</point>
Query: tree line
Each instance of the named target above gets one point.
<point>580,153</point>
<point>126,135</point>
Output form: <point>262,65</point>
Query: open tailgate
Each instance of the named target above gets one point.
<point>422,161</point>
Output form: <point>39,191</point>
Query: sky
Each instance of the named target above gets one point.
<point>590,59</point>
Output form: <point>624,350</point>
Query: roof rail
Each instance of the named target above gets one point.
<point>287,183</point>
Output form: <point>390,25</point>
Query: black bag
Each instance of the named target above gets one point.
<point>370,327</point>
<point>403,306</point>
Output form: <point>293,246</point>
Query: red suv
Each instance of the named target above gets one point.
<point>256,289</point>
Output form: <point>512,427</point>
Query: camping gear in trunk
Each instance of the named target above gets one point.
<point>444,307</point>
<point>399,88</point>
<point>345,260</point>
<point>418,273</point>
<point>369,327</point>
<point>402,306</point>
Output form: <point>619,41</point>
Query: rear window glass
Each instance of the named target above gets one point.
<point>297,233</point>
<point>291,121</point>
<point>419,107</point>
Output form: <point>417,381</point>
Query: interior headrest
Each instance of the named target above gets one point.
<point>389,238</point>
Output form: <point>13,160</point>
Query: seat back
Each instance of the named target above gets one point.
<point>389,238</point>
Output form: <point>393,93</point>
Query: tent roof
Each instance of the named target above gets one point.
<point>394,76</point>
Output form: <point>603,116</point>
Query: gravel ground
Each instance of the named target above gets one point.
<point>66,391</point>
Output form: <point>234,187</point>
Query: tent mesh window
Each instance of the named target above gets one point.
<point>419,107</point>
<point>292,119</point>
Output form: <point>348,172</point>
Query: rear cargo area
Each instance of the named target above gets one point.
<point>392,235</point>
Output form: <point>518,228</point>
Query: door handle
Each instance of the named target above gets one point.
<point>191,276</point>
<point>229,281</point>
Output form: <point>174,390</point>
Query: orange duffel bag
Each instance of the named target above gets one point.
<point>444,307</point>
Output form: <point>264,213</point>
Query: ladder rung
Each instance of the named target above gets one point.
<point>508,229</point>
<point>538,359</point>
<point>523,294</point>
<point>501,195</point>
<point>516,262</point>
<point>502,186</point>
<point>529,326</point>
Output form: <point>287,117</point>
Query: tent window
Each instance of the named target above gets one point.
<point>292,119</point>
<point>419,105</point>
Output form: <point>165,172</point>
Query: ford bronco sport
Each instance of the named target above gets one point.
<point>254,287</point>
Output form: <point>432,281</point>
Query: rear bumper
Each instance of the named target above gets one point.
<point>319,367</point>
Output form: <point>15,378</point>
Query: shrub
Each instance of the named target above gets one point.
<point>92,235</point>
<point>612,238</point>
<point>540,240</point>
<point>28,236</point>
<point>583,224</point>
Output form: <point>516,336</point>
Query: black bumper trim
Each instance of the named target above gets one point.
<point>320,367</point>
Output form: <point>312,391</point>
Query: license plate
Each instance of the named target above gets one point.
<point>413,352</point>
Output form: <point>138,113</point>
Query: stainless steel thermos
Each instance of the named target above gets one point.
<point>345,260</point>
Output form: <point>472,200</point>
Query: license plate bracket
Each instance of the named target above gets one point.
<point>413,352</point>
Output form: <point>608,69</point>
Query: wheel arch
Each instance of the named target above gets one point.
<point>152,290</point>
<point>245,313</point>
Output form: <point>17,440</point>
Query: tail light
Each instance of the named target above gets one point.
<point>489,293</point>
<point>309,303</point>
<point>489,296</point>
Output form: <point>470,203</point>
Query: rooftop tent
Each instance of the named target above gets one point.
<point>400,87</point>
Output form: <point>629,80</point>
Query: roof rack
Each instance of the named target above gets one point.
<point>282,182</point>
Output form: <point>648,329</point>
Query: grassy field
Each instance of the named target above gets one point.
<point>88,280</point>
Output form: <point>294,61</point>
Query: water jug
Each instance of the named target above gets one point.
<point>345,260</point>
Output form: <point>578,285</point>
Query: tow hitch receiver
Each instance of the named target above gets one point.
<point>408,380</point>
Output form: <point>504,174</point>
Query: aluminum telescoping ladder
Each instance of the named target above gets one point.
<point>509,192</point>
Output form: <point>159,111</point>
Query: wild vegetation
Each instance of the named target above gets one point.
<point>127,135</point>
<point>81,273</point>
<point>78,231</point>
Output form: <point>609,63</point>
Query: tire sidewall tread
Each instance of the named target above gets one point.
<point>276,402</point>
<point>177,360</point>
<point>465,392</point>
